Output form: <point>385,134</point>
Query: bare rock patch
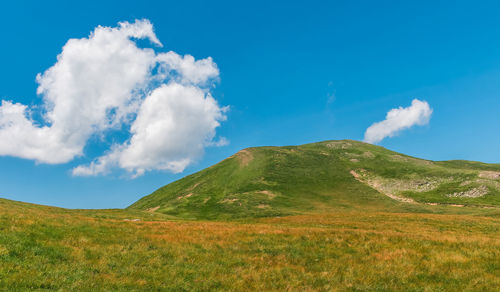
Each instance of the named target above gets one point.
<point>153,209</point>
<point>184,196</point>
<point>244,156</point>
<point>473,193</point>
<point>229,201</point>
<point>267,193</point>
<point>339,145</point>
<point>490,174</point>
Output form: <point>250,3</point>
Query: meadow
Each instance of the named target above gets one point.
<point>328,216</point>
<point>46,248</point>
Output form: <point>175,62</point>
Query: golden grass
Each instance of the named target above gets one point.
<point>46,248</point>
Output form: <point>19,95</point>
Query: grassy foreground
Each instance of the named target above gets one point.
<point>45,248</point>
<point>328,216</point>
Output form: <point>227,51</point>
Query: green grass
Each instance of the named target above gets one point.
<point>43,248</point>
<point>292,180</point>
<point>272,219</point>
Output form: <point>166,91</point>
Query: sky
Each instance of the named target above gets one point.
<point>102,103</point>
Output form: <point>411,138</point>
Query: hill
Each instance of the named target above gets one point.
<point>324,177</point>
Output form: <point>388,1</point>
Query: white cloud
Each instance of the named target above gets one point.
<point>186,69</point>
<point>398,119</point>
<point>106,81</point>
<point>173,126</point>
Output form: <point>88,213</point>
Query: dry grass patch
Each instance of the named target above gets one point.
<point>355,250</point>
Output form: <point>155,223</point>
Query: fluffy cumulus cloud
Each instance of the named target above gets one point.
<point>172,127</point>
<point>106,82</point>
<point>398,119</point>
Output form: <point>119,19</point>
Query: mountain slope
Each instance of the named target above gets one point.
<point>320,177</point>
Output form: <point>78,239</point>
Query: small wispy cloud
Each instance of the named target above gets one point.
<point>331,95</point>
<point>399,119</point>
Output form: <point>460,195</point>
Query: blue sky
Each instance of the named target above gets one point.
<point>290,72</point>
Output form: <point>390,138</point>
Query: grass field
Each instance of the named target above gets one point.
<point>50,248</point>
<point>329,216</point>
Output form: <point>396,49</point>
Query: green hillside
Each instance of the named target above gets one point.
<point>326,176</point>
